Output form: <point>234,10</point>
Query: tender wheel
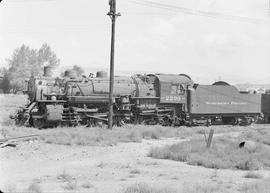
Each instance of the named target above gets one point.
<point>228,120</point>
<point>246,121</point>
<point>166,121</point>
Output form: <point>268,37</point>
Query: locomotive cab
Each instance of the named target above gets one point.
<point>170,98</point>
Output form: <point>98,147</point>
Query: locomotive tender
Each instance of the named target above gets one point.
<point>166,99</point>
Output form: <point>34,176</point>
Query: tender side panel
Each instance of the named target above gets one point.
<point>217,100</point>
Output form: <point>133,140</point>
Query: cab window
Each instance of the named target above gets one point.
<point>177,89</point>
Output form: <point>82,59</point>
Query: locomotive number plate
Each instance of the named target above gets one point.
<point>174,98</point>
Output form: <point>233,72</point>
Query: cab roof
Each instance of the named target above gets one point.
<point>173,78</point>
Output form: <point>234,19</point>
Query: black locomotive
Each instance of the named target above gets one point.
<point>166,99</point>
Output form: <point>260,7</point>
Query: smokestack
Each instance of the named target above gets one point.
<point>47,71</point>
<point>102,74</point>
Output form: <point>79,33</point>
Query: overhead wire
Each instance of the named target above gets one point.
<point>189,11</point>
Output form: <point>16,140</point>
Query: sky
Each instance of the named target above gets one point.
<point>209,40</point>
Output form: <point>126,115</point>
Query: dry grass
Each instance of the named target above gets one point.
<point>223,154</point>
<point>259,187</point>
<point>144,188</point>
<point>85,136</point>
<point>102,136</point>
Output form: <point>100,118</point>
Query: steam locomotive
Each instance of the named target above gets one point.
<point>166,99</point>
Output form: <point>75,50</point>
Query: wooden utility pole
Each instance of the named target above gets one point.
<point>113,15</point>
<point>210,137</point>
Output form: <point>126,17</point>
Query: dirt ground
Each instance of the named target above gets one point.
<point>104,169</point>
